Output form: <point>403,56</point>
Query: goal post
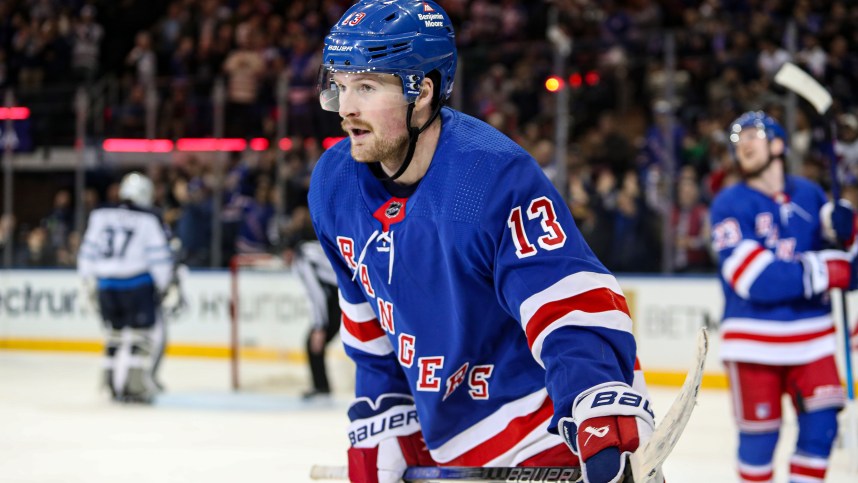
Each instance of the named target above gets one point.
<point>238,264</point>
<point>269,321</point>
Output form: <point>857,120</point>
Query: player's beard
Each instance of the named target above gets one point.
<point>389,151</point>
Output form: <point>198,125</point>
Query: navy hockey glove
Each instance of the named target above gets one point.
<point>838,223</point>
<point>608,422</point>
<point>386,439</point>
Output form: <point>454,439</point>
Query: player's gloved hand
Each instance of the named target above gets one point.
<point>173,300</point>
<point>838,223</point>
<point>89,292</point>
<point>608,422</point>
<point>386,439</point>
<point>825,270</point>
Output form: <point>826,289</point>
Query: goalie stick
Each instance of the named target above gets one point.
<point>795,79</point>
<point>645,463</point>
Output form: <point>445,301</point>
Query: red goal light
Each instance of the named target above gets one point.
<point>553,84</point>
<point>575,80</point>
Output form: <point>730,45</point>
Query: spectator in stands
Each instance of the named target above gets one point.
<point>304,59</point>
<point>772,57</point>
<point>812,56</point>
<point>244,68</point>
<point>87,35</point>
<point>7,231</point>
<point>846,147</point>
<point>142,60</point>
<point>254,232</point>
<point>636,240</point>
<point>60,220</point>
<point>690,224</point>
<point>131,116</point>
<point>194,227</point>
<point>27,50</point>
<point>38,251</point>
<point>841,71</point>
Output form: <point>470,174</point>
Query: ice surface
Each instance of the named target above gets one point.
<point>56,425</point>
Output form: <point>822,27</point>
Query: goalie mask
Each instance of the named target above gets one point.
<point>137,189</point>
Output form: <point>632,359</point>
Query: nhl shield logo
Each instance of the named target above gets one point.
<point>393,209</point>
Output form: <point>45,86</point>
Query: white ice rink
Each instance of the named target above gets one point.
<point>56,426</point>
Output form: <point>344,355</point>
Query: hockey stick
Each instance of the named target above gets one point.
<point>645,463</point>
<point>416,474</point>
<point>803,84</point>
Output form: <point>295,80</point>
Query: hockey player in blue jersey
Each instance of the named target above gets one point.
<point>771,233</point>
<point>484,330</point>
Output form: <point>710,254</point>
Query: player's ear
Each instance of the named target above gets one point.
<point>424,100</point>
<point>776,146</point>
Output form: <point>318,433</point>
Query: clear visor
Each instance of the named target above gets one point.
<point>739,134</point>
<point>367,89</point>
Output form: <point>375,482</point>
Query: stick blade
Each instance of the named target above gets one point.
<point>322,472</point>
<point>646,462</point>
<point>795,79</point>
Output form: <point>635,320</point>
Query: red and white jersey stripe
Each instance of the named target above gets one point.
<point>744,265</point>
<point>777,342</point>
<point>513,433</point>
<point>360,329</point>
<point>586,299</point>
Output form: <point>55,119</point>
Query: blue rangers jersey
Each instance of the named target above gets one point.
<point>477,295</point>
<point>770,314</point>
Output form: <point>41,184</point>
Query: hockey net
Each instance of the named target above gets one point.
<point>268,323</point>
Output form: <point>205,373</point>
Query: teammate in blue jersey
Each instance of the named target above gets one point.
<point>484,330</point>
<point>772,233</point>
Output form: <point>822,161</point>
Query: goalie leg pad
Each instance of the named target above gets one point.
<point>132,378</point>
<point>111,346</point>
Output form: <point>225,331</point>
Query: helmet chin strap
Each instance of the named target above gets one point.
<point>413,134</point>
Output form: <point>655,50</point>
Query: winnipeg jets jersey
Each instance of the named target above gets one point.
<point>770,316</point>
<point>476,294</point>
<point>125,242</point>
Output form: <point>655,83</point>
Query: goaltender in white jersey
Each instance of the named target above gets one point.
<point>127,268</point>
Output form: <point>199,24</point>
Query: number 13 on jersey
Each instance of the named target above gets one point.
<point>554,236</point>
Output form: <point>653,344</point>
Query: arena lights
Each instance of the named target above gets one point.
<point>211,144</point>
<point>14,113</point>
<point>116,145</point>
<point>591,78</point>
<point>576,80</point>
<point>196,145</point>
<point>327,143</point>
<point>553,84</point>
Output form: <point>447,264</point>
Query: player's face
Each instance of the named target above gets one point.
<point>373,109</point>
<point>752,148</point>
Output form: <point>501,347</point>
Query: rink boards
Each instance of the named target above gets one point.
<point>44,310</point>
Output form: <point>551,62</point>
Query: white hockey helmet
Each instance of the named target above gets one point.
<point>137,189</point>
